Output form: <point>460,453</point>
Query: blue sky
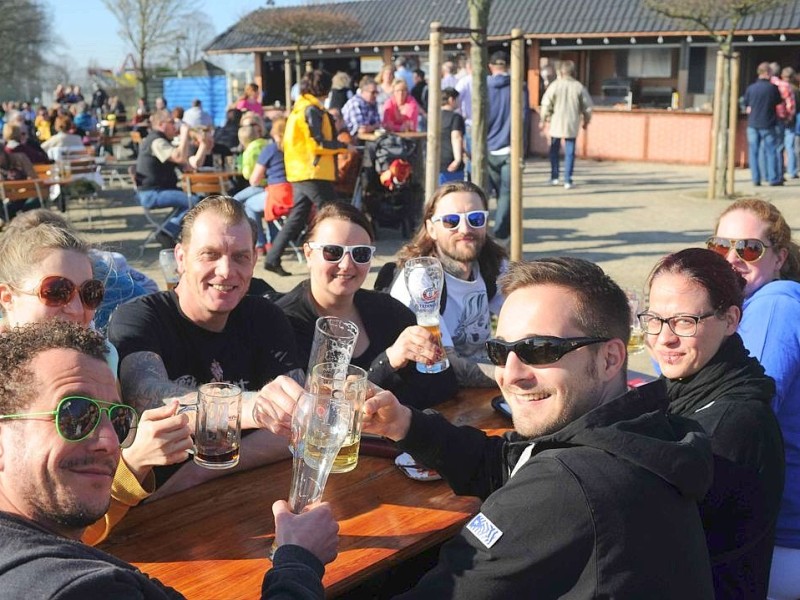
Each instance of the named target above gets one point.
<point>89,31</point>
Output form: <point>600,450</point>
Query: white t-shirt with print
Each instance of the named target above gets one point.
<point>466,322</point>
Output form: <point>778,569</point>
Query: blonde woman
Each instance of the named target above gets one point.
<point>384,79</point>
<point>401,111</point>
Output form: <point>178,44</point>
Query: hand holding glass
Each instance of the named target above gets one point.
<point>320,423</point>
<point>424,280</point>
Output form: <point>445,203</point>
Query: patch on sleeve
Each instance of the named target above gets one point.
<point>483,529</point>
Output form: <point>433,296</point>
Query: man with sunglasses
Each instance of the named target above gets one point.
<point>61,427</point>
<point>454,231</point>
<point>595,493</point>
<point>156,178</point>
<point>209,329</point>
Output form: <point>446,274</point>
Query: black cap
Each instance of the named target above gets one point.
<point>449,92</point>
<point>498,58</point>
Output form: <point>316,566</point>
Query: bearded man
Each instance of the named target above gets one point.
<point>454,231</point>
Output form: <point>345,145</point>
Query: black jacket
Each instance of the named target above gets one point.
<point>730,398</point>
<point>35,563</point>
<point>604,508</point>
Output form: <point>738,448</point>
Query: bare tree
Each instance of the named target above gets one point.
<point>721,19</point>
<point>479,58</point>
<point>149,26</point>
<point>302,27</point>
<point>25,42</point>
<point>198,36</point>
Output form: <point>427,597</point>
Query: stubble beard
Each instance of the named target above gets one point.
<point>576,403</point>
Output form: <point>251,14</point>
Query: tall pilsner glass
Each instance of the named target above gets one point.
<point>424,280</point>
<point>350,385</point>
<point>320,423</point>
<point>334,342</point>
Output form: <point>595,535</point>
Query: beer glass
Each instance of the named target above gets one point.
<point>319,426</point>
<point>218,431</point>
<point>350,384</point>
<point>334,342</point>
<point>169,267</point>
<point>424,280</point>
<point>636,341</point>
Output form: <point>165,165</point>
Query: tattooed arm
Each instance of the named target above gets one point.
<point>146,384</point>
<point>470,373</point>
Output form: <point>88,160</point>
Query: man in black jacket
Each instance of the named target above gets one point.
<point>61,426</point>
<point>595,493</point>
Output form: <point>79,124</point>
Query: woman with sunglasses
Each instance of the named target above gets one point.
<point>339,252</point>
<point>695,302</point>
<point>46,274</point>
<point>755,239</point>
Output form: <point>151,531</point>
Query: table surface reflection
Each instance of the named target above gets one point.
<point>211,541</point>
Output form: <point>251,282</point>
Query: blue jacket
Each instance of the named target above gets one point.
<point>499,90</point>
<point>770,329</point>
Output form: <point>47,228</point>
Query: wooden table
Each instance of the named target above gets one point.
<point>211,541</point>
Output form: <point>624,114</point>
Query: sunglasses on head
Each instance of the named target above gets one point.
<point>475,219</point>
<point>538,349</point>
<point>749,250</point>
<point>77,417</point>
<point>334,253</point>
<point>56,291</point>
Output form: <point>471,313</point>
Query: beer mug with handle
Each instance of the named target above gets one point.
<point>424,280</point>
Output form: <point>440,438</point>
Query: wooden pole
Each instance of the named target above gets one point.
<point>434,112</point>
<point>712,175</point>
<point>733,122</point>
<point>287,83</point>
<point>517,75</point>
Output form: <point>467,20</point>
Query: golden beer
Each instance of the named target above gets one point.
<point>636,341</point>
<point>431,323</point>
<point>350,383</point>
<point>347,459</point>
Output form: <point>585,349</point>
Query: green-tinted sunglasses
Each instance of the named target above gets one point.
<point>77,417</point>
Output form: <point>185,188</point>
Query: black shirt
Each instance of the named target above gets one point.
<point>256,345</point>
<point>451,121</point>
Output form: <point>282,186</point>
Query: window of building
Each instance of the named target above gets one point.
<point>649,62</point>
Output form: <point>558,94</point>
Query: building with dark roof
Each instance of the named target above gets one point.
<point>628,56</point>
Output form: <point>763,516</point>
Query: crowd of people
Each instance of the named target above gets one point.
<point>685,487</point>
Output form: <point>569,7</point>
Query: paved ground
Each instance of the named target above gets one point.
<point>622,216</point>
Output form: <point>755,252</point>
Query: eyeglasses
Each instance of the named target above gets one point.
<point>681,325</point>
<point>57,291</point>
<point>537,350</point>
<point>475,219</point>
<point>77,417</point>
<point>334,253</point>
<point>749,250</point>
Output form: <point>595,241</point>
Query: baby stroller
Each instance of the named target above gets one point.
<point>391,194</point>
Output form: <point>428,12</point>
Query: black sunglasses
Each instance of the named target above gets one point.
<point>55,290</point>
<point>334,253</point>
<point>749,250</point>
<point>77,417</point>
<point>538,349</point>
